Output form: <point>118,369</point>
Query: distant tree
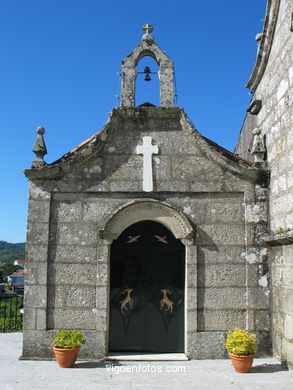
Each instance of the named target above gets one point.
<point>8,269</point>
<point>3,244</point>
<point>10,252</point>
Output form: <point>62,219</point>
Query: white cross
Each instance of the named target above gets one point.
<point>147,28</point>
<point>147,149</point>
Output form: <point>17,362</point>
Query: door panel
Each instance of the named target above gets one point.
<point>147,290</point>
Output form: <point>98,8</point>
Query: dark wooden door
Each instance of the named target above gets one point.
<point>147,290</point>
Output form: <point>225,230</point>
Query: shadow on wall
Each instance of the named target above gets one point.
<point>201,275</point>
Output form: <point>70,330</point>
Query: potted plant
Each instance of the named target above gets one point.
<point>242,347</point>
<point>66,347</point>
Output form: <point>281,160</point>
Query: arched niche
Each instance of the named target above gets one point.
<point>147,91</point>
<point>142,210</point>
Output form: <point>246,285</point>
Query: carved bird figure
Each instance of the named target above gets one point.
<point>133,239</point>
<point>161,239</point>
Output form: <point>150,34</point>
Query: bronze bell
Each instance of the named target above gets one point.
<point>147,70</point>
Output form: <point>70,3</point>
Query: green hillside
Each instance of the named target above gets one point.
<point>10,252</point>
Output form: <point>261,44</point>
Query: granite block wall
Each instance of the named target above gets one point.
<point>281,258</point>
<point>275,120</point>
<point>70,290</point>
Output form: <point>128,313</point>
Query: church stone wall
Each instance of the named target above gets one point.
<point>275,121</point>
<point>281,258</point>
<point>68,271</point>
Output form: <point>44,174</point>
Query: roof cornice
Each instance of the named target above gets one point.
<point>265,44</point>
<point>226,159</point>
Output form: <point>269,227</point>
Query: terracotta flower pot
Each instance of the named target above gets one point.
<point>66,357</point>
<point>242,363</point>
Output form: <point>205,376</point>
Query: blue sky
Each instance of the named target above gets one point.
<point>60,63</point>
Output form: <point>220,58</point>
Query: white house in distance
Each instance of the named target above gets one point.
<point>20,263</point>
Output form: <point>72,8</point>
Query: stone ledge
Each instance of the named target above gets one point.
<point>285,238</point>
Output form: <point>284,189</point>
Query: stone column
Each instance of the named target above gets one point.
<point>35,298</point>
<point>191,293</point>
<point>166,76</point>
<point>129,75</point>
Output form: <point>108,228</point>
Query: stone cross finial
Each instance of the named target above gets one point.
<point>258,147</point>
<point>147,149</point>
<point>39,149</point>
<point>147,37</point>
<point>147,28</point>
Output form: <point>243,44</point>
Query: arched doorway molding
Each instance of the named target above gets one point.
<point>148,209</point>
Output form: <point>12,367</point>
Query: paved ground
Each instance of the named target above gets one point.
<point>267,374</point>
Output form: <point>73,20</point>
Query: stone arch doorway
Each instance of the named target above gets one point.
<point>147,290</point>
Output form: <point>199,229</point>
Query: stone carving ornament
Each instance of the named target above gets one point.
<point>258,147</point>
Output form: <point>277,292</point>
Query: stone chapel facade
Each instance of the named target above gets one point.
<point>148,236</point>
